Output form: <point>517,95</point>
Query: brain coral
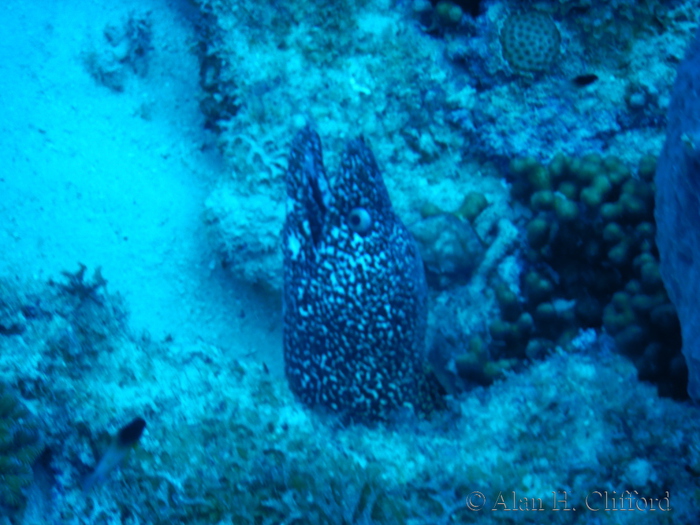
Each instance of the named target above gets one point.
<point>530,41</point>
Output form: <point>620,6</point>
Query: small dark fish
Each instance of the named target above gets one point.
<point>126,439</point>
<point>584,80</point>
<point>131,433</point>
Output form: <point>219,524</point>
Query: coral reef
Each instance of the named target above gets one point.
<point>19,449</point>
<point>577,254</point>
<point>515,113</point>
<point>592,263</point>
<point>440,106</point>
<point>394,97</point>
<point>226,442</point>
<point>558,278</point>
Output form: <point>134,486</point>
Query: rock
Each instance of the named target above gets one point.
<point>450,248</point>
<point>677,205</point>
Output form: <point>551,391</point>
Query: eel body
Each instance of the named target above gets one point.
<point>354,288</point>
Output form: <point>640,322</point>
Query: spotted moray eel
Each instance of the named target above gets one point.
<point>354,288</point>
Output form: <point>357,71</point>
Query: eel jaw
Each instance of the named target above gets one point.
<point>309,198</point>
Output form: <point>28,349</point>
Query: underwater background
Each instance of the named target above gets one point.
<point>144,149</point>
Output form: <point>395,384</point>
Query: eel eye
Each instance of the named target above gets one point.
<point>360,220</point>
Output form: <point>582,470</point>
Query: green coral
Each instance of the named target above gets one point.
<point>592,224</point>
<point>472,205</point>
<point>19,449</point>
